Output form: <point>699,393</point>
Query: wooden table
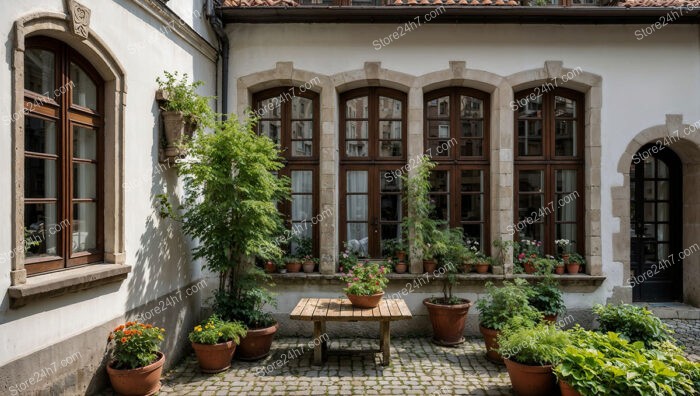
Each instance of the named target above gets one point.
<point>322,310</point>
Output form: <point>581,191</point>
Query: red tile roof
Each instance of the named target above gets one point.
<point>454,2</point>
<point>659,3</point>
<point>621,3</point>
<point>259,3</point>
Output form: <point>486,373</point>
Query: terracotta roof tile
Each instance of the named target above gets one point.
<point>259,3</point>
<point>455,2</point>
<point>468,3</point>
<point>659,3</point>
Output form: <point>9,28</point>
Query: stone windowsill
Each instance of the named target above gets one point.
<point>71,280</point>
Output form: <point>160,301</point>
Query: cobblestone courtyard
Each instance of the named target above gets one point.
<point>418,368</point>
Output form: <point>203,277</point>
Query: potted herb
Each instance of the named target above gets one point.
<point>183,111</point>
<point>499,306</point>
<point>530,354</point>
<point>230,208</point>
<point>563,247</point>
<point>448,313</point>
<point>292,264</point>
<point>137,362</point>
<point>483,263</point>
<point>559,268</point>
<point>546,297</point>
<point>575,262</point>
<point>282,266</point>
<point>365,284</point>
<point>214,342</point>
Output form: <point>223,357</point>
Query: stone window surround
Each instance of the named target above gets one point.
<point>502,91</point>
<point>22,289</point>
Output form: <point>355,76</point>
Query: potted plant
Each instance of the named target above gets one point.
<point>394,248</point>
<point>309,264</point>
<point>214,342</point>
<point>182,110</point>
<point>575,262</point>
<point>270,267</point>
<point>546,297</point>
<point>559,267</point>
<point>469,255</point>
<point>230,208</point>
<point>137,362</point>
<point>499,306</point>
<point>530,354</point>
<point>365,284</point>
<point>483,263</point>
<point>292,264</point>
<point>400,267</point>
<point>282,267</point>
<point>563,247</point>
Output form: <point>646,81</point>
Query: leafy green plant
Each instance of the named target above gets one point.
<point>215,331</point>
<point>422,230</point>
<point>347,259</point>
<point>545,265</point>
<point>538,345</point>
<point>366,279</point>
<point>181,96</point>
<point>632,322</point>
<point>451,249</point>
<point>135,345</point>
<point>501,304</point>
<point>546,297</point>
<point>391,247</point>
<point>575,258</point>
<point>303,246</point>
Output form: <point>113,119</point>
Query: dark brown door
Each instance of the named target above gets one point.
<point>656,225</point>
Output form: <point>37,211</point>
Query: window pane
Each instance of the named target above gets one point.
<point>39,178</point>
<point>302,129</point>
<point>649,190</point>
<point>84,227</point>
<point>389,108</point>
<point>390,148</point>
<point>357,181</point>
<point>439,181</point>
<point>649,166</point>
<point>565,180</point>
<point>390,182</point>
<point>356,129</point>
<point>472,207</point>
<point>357,207</point>
<point>39,71</point>
<point>663,211</point>
<point>471,107</point>
<point>567,210</point>
<point>567,231</point>
<point>84,180</point>
<point>472,148</point>
<point>302,148</point>
<point>357,108</point>
<point>531,181</point>
<point>532,232</point>
<point>662,169</point>
<point>301,207</point>
<point>358,238</point>
<point>357,148</point>
<point>39,135</point>
<point>474,232</point>
<point>439,129</point>
<point>441,209</point>
<point>302,108</point>
<point>530,106</point>
<point>270,108</point>
<point>302,181</point>
<point>530,206</point>
<point>564,107</point>
<point>649,212</point>
<point>389,130</point>
<point>439,108</point>
<point>663,190</point>
<point>472,128</point>
<point>530,137</point>
<point>271,129</point>
<point>438,148</point>
<point>84,89</point>
<point>84,143</point>
<point>41,230</point>
<point>389,231</point>
<point>565,138</point>
<point>472,180</point>
<point>391,207</point>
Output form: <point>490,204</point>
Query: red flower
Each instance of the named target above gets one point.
<point>123,340</point>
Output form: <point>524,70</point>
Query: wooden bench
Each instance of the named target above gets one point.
<point>322,310</point>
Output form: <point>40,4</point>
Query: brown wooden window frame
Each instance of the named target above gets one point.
<point>66,115</point>
<point>549,164</point>
<point>454,163</point>
<point>295,163</point>
<point>373,163</point>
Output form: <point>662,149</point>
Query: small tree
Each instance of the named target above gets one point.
<point>422,231</point>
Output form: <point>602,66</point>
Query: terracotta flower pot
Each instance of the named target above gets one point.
<point>401,255</point>
<point>257,343</point>
<point>572,268</point>
<point>270,267</point>
<point>482,268</point>
<point>559,270</point>
<point>365,301</point>
<point>567,390</point>
<point>401,267</point>
<point>467,268</point>
<point>448,321</point>
<point>139,381</point>
<point>309,266</point>
<point>529,267</point>
<point>429,265</point>
<point>550,318</point>
<point>214,358</point>
<point>565,258</point>
<point>531,380</point>
<point>490,336</point>
<point>176,128</point>
<point>293,267</point>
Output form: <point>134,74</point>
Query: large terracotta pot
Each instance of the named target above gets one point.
<point>401,267</point>
<point>142,381</point>
<point>531,380</point>
<point>214,358</point>
<point>550,318</point>
<point>257,343</point>
<point>293,267</point>
<point>176,130</point>
<point>567,390</point>
<point>490,336</point>
<point>448,321</point>
<point>529,267</point>
<point>309,266</point>
<point>572,268</point>
<point>429,266</point>
<point>365,301</point>
<point>482,268</point>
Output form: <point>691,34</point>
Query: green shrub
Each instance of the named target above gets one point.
<point>547,298</point>
<point>215,331</point>
<point>501,304</point>
<point>632,322</point>
<point>539,345</point>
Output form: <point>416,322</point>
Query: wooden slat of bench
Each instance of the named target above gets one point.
<point>405,312</point>
<point>393,308</point>
<point>384,309</point>
<point>334,308</point>
<point>296,312</point>
<point>322,307</point>
<point>308,312</point>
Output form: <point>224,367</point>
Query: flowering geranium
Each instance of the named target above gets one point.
<point>347,260</point>
<point>135,345</point>
<point>215,330</point>
<point>366,279</point>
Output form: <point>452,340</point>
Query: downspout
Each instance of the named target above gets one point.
<point>218,26</point>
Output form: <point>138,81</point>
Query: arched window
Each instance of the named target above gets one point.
<point>290,118</point>
<point>63,168</point>
<point>373,150</point>
<point>456,138</point>
<point>549,168</point>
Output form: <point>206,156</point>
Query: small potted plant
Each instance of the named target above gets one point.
<point>309,264</point>
<point>546,297</point>
<point>400,267</point>
<point>575,263</point>
<point>469,255</point>
<point>293,264</point>
<point>214,342</point>
<point>530,354</point>
<point>563,247</point>
<point>394,248</point>
<point>559,267</point>
<point>270,266</point>
<point>499,306</point>
<point>282,267</point>
<point>137,361</point>
<point>365,284</point>
<point>483,263</point>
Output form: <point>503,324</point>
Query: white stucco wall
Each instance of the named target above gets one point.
<point>160,256</point>
<point>643,80</point>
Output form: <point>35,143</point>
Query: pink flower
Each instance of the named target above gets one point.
<point>356,279</point>
<point>349,284</point>
<point>521,256</point>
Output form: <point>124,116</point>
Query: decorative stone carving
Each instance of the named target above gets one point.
<point>80,18</point>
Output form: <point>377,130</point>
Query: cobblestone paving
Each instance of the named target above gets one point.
<point>418,368</point>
